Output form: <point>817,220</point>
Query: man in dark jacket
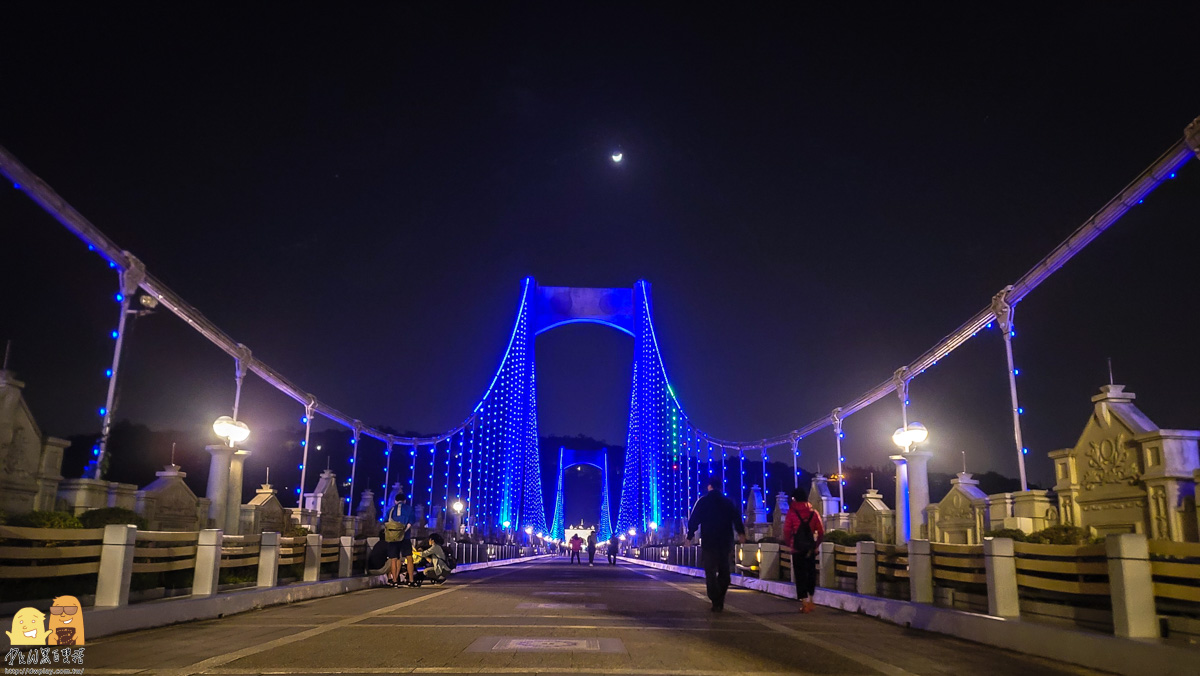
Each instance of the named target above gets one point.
<point>717,517</point>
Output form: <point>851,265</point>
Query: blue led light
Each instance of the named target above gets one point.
<point>1013,333</point>
<point>103,411</point>
<point>1016,372</point>
<point>303,443</point>
<point>1172,175</point>
<point>300,467</point>
<point>351,461</point>
<point>1024,450</point>
<point>17,186</point>
<point>304,420</point>
<point>112,264</point>
<point>843,460</point>
<point>95,451</point>
<point>352,442</point>
<point>108,373</point>
<point>1020,411</point>
<point>114,334</point>
<point>91,248</point>
<point>989,325</point>
<point>120,297</point>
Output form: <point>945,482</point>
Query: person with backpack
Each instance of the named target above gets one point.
<point>576,546</point>
<point>803,532</point>
<point>397,532</point>
<point>717,518</point>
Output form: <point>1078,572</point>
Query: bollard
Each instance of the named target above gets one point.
<point>268,560</point>
<point>116,565</point>
<point>920,571</point>
<point>312,557</point>
<point>346,556</point>
<point>768,567</point>
<point>207,575</point>
<point>864,563</point>
<point>827,575</point>
<point>1131,585</point>
<point>1000,562</point>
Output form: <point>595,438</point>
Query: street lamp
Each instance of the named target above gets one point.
<point>232,431</point>
<point>906,437</point>
<point>653,531</point>
<point>458,506</point>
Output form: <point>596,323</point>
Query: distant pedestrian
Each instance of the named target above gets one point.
<point>397,533</point>
<point>803,533</point>
<point>717,518</point>
<point>612,550</point>
<point>576,546</point>
<point>591,548</point>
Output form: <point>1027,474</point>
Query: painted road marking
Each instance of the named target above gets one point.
<point>562,606</point>
<point>538,644</point>
<point>565,593</point>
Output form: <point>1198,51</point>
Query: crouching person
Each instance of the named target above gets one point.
<point>437,568</point>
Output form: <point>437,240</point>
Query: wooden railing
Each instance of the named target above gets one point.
<point>240,551</point>
<point>959,563</point>
<point>164,551</point>
<point>28,553</point>
<point>1175,567</point>
<point>1063,569</point>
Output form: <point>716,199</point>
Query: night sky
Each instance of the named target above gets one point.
<point>816,199</point>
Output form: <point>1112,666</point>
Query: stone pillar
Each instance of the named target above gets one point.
<point>268,560</point>
<point>920,571</point>
<point>768,567</point>
<point>902,522</point>
<point>312,558</point>
<point>218,482</point>
<point>116,565</point>
<point>346,556</point>
<point>1131,586</point>
<point>1000,562</point>
<point>918,491</point>
<point>368,510</point>
<point>208,561</point>
<point>782,505</point>
<point>864,563</point>
<point>233,500</point>
<point>827,575</point>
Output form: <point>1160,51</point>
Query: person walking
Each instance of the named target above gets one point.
<point>591,548</point>
<point>397,532</point>
<point>803,532</point>
<point>576,545</point>
<point>612,550</point>
<point>717,518</point>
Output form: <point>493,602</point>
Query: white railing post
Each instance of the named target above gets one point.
<point>864,563</point>
<point>1131,585</point>
<point>346,556</point>
<point>768,568</point>
<point>827,576</point>
<point>312,558</point>
<point>208,562</point>
<point>1000,562</point>
<point>268,560</point>
<point>116,565</point>
<point>920,571</point>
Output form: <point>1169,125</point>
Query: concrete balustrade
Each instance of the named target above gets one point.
<point>999,560</point>
<point>268,560</point>
<point>827,574</point>
<point>920,571</point>
<point>116,565</point>
<point>1131,585</point>
<point>208,562</point>
<point>345,556</point>
<point>312,557</point>
<point>864,563</point>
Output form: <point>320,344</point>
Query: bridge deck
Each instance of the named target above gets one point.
<point>604,620</point>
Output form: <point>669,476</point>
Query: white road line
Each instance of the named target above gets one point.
<point>219,660</point>
<point>869,662</point>
<point>498,670</point>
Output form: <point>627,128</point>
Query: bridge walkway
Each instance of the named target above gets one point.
<point>549,617</point>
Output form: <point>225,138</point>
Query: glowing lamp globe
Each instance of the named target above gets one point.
<point>529,530</point>
<point>900,437</point>
<point>622,538</point>
<point>653,525</point>
<point>917,432</point>
<point>234,431</point>
<point>458,506</point>
<point>507,524</point>
<point>632,531</point>
<point>617,157</point>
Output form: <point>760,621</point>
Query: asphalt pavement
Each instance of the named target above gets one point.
<point>546,616</point>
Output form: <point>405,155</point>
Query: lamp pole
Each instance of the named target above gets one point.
<point>1004,315</point>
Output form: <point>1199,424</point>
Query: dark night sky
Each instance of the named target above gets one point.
<point>816,199</point>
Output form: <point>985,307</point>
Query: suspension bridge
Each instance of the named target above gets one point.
<point>490,463</point>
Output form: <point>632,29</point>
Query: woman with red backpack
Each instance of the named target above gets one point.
<point>803,532</point>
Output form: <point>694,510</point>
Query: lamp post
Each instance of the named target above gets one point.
<point>458,508</point>
<point>653,531</point>
<point>912,480</point>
